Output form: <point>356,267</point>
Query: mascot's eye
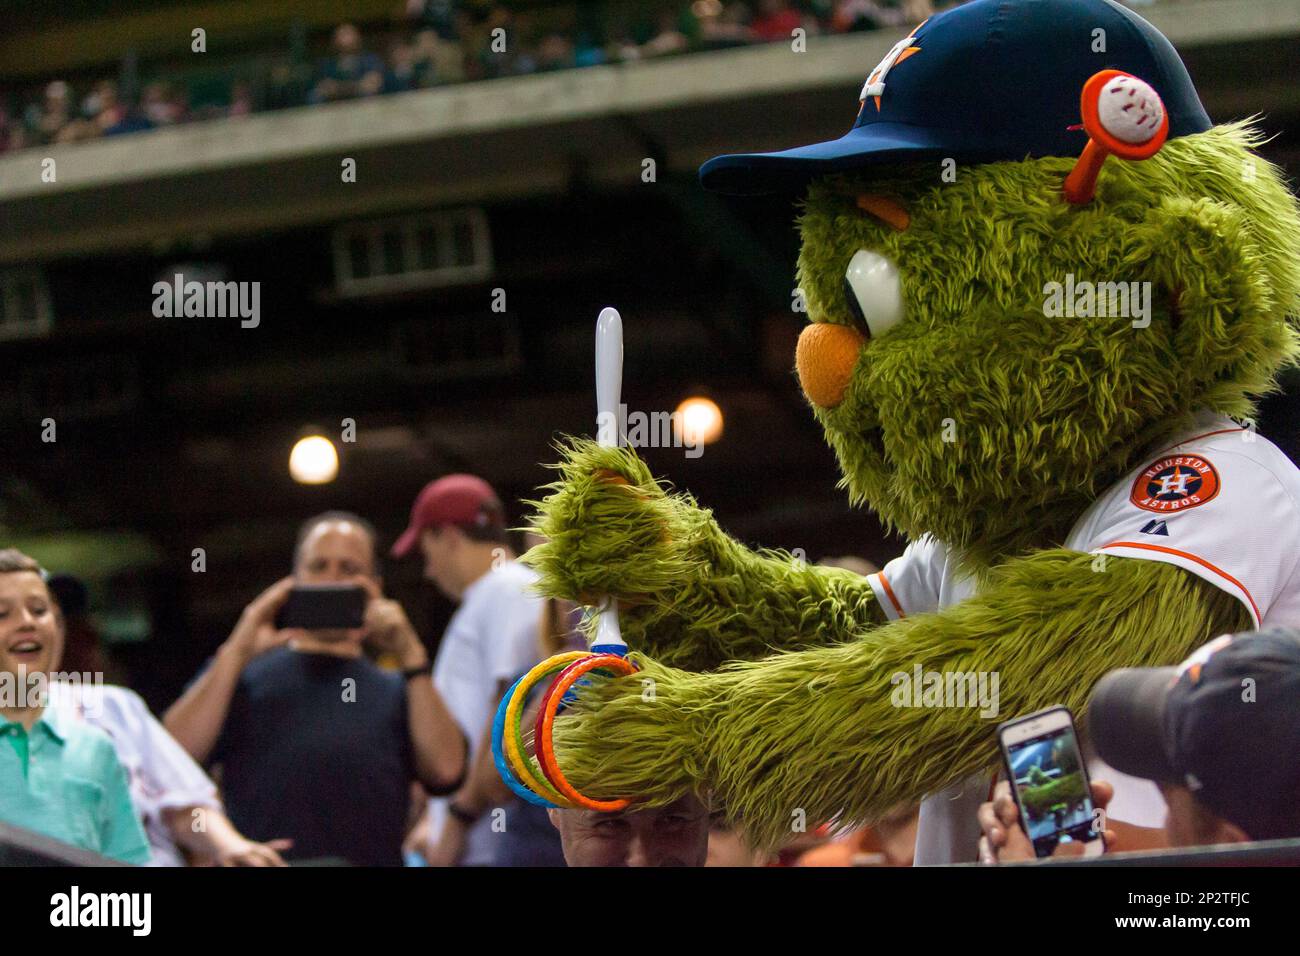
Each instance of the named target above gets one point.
<point>873,292</point>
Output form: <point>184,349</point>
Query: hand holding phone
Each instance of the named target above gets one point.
<point>1003,840</point>
<point>1049,783</point>
<point>255,632</point>
<point>323,607</point>
<point>388,630</point>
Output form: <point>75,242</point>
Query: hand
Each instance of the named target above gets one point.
<point>449,848</point>
<point>1005,841</point>
<point>610,529</point>
<point>248,853</point>
<point>623,716</point>
<point>418,840</point>
<point>255,633</point>
<point>388,629</point>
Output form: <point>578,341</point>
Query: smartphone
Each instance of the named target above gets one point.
<point>1050,781</point>
<point>323,607</point>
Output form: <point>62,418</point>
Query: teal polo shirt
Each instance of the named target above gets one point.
<point>63,779</point>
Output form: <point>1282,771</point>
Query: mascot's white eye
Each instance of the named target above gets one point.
<point>874,293</point>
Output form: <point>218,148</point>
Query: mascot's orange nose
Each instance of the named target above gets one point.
<point>825,357</point>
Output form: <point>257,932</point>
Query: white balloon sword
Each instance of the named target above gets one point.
<point>609,434</point>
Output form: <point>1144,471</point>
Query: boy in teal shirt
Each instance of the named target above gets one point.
<point>58,777</point>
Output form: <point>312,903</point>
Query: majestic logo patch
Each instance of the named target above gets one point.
<point>1175,482</point>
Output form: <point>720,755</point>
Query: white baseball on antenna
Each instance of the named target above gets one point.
<point>1130,110</point>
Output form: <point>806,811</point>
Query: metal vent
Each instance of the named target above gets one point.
<point>24,304</point>
<point>413,252</point>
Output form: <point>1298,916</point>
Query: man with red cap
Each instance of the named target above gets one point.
<point>458,523</point>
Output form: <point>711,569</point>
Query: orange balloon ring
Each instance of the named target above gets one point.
<point>546,723</point>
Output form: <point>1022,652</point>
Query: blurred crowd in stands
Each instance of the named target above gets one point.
<point>439,42</point>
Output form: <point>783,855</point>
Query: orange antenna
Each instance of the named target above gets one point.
<point>1123,116</point>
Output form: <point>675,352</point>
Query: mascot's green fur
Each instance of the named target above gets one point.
<point>772,688</point>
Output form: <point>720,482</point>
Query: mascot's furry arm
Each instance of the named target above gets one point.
<point>818,730</point>
<point>690,596</point>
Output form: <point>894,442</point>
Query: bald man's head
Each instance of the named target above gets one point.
<point>674,835</point>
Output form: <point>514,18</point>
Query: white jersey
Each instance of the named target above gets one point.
<point>492,637</point>
<point>161,775</point>
<point>1222,503</point>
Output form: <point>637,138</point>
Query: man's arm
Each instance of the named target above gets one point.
<point>217,841</point>
<point>483,789</point>
<point>196,719</point>
<point>436,739</point>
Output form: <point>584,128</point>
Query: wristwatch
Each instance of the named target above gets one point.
<point>423,669</point>
<point>466,817</point>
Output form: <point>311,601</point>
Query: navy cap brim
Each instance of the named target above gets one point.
<point>757,174</point>
<point>1126,721</point>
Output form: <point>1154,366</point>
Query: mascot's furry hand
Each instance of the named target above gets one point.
<point>688,594</point>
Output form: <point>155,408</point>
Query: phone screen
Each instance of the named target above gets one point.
<point>323,607</point>
<point>1052,790</point>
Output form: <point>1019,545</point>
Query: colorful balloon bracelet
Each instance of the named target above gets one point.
<point>499,758</point>
<point>542,738</point>
<point>538,779</point>
<point>513,743</point>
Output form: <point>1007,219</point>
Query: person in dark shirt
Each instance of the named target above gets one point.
<point>317,744</point>
<point>352,71</point>
<point>441,16</point>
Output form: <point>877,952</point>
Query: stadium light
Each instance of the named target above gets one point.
<point>314,461</point>
<point>698,420</point>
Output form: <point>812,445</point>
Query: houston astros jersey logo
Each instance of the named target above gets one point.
<point>875,85</point>
<point>1174,483</point>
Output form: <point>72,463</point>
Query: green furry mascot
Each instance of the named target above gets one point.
<point>1075,494</point>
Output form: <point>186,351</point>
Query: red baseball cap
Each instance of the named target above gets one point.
<point>466,501</point>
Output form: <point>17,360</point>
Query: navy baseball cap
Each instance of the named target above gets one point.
<point>986,81</point>
<point>1225,724</point>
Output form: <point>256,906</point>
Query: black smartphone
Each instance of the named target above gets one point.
<point>323,607</point>
<point>1050,781</point>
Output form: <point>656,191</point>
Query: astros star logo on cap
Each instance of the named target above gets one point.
<point>875,85</point>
